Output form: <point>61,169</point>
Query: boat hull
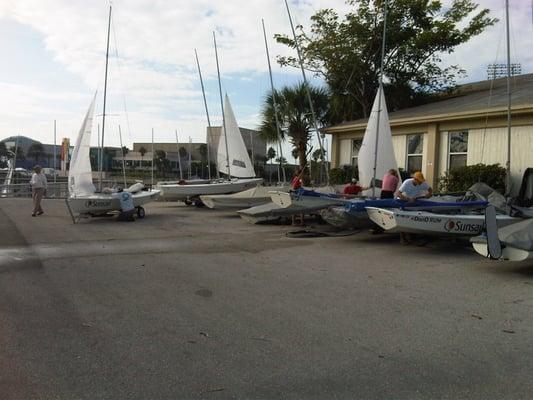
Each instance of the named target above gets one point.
<point>287,199</point>
<point>101,203</point>
<point>421,222</point>
<point>173,192</point>
<point>508,253</point>
<point>241,200</point>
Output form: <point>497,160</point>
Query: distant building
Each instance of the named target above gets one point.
<point>254,143</point>
<point>468,127</point>
<point>45,159</point>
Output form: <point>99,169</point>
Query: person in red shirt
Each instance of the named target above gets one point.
<point>352,189</point>
<point>296,182</point>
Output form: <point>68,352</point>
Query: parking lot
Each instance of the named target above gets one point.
<point>196,303</point>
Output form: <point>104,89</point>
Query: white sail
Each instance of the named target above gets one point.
<point>80,180</point>
<point>239,161</point>
<point>386,159</point>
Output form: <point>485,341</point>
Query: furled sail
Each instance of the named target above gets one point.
<point>386,159</point>
<point>80,180</point>
<point>239,160</point>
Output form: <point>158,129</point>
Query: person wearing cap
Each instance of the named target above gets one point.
<point>415,188</point>
<point>38,185</point>
<point>352,188</point>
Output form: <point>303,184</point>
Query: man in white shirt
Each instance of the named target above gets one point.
<point>38,185</point>
<point>127,209</point>
<point>415,188</point>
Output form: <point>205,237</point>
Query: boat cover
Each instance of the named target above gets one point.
<point>519,235</point>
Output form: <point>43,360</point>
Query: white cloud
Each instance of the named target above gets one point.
<point>157,70</point>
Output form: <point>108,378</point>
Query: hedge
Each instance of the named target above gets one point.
<point>461,178</point>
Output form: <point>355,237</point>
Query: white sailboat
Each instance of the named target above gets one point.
<point>83,199</point>
<point>240,168</point>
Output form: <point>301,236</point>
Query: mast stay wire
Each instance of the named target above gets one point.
<point>489,102</point>
<point>119,65</point>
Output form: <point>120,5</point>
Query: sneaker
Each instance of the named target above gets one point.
<point>40,213</point>
<point>33,214</point>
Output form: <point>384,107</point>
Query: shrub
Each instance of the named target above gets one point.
<point>339,176</point>
<point>460,179</point>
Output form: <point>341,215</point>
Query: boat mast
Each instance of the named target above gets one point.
<point>222,107</point>
<point>179,156</point>
<point>308,92</point>
<point>122,152</point>
<point>152,183</point>
<point>278,129</point>
<point>208,119</point>
<point>190,160</point>
<point>380,95</point>
<point>100,167</point>
<point>508,164</point>
<point>55,154</point>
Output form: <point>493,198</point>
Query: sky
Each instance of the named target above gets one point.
<point>53,59</point>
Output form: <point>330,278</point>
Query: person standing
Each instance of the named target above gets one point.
<point>38,185</point>
<point>389,184</point>
<point>296,182</point>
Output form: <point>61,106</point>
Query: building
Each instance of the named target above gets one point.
<point>33,152</point>
<point>255,144</point>
<point>465,128</point>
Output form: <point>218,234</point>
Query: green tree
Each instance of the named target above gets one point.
<point>3,149</point>
<point>271,154</point>
<point>161,163</point>
<point>36,152</point>
<point>317,155</point>
<point>281,160</point>
<point>125,150</point>
<point>20,153</point>
<point>346,51</point>
<point>183,152</point>
<point>294,116</point>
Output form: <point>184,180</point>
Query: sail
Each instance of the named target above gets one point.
<point>80,180</point>
<point>239,161</point>
<point>386,159</point>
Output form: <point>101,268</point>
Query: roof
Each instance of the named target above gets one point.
<point>471,99</point>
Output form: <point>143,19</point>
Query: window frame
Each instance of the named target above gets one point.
<point>456,153</point>
<point>354,159</point>
<point>407,154</point>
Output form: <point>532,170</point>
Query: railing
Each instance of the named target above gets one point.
<point>57,190</point>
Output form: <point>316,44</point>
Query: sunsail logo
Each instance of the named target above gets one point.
<point>97,203</point>
<point>460,226</point>
<point>239,163</point>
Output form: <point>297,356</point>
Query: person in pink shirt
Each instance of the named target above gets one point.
<point>389,184</point>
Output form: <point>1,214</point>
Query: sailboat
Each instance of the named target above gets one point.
<point>241,171</point>
<point>83,199</point>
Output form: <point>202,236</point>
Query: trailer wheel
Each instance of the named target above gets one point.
<point>188,202</point>
<point>140,212</point>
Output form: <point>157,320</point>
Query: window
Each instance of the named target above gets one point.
<point>356,146</point>
<point>415,148</point>
<point>457,149</point>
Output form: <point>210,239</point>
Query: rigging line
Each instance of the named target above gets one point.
<point>119,65</point>
<point>489,102</point>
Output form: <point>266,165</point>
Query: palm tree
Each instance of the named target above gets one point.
<point>142,151</point>
<point>294,115</point>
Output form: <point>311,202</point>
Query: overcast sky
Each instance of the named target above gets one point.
<point>53,54</point>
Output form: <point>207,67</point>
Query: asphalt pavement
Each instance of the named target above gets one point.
<point>197,304</point>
